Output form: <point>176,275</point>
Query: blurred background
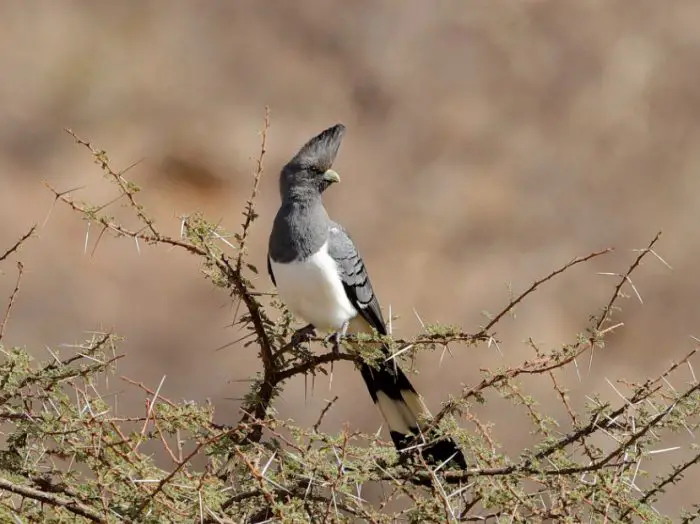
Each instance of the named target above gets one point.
<point>488,143</point>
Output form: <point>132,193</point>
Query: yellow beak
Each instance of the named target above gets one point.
<point>331,176</point>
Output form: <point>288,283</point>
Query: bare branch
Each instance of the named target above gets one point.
<point>535,285</point>
<point>19,243</point>
<point>11,302</point>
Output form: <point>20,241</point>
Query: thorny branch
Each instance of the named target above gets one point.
<point>233,272</point>
<point>242,290</point>
<point>11,302</point>
<point>18,244</point>
<point>250,214</point>
<point>537,283</point>
<point>71,505</point>
<point>605,315</point>
<point>127,189</point>
<point>543,364</point>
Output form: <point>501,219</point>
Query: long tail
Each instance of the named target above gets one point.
<point>403,409</point>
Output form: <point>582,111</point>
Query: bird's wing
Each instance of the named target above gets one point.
<point>355,277</point>
<point>390,389</point>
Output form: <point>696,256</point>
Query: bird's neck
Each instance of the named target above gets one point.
<point>299,231</point>
<point>301,200</point>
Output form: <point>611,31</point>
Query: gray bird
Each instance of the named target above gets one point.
<point>321,278</point>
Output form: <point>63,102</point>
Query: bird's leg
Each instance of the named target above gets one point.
<point>336,337</point>
<point>303,334</point>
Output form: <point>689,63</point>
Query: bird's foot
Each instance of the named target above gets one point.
<point>303,334</point>
<point>335,338</point>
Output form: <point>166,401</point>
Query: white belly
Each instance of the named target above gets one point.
<point>313,291</point>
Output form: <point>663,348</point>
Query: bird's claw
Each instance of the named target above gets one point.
<point>334,340</point>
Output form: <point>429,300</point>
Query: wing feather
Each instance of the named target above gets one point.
<point>390,389</point>
<point>356,282</point>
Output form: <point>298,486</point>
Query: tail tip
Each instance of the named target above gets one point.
<point>443,450</point>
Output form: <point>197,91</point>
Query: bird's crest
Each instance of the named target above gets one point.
<point>321,150</point>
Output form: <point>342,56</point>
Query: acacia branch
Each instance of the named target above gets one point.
<point>544,364</point>
<point>241,288</point>
<point>120,230</point>
<point>19,243</point>
<point>11,302</point>
<point>625,278</point>
<point>249,213</point>
<point>233,272</point>
<point>311,364</point>
<point>72,505</point>
<point>126,188</point>
<point>535,285</point>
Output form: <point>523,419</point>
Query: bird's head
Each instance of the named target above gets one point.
<point>309,173</point>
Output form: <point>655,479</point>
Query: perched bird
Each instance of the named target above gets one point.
<point>321,278</point>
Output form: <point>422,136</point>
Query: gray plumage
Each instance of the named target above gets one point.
<point>302,224</point>
<point>299,230</point>
<point>321,278</point>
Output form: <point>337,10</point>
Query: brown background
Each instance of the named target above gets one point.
<point>488,143</point>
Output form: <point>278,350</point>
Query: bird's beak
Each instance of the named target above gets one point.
<point>331,176</point>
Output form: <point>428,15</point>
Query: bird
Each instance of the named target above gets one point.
<point>322,279</point>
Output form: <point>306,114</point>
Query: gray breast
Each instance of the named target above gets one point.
<point>299,231</point>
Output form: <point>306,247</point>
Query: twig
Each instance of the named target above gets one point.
<point>438,490</point>
<point>148,390</point>
<point>625,278</point>
<point>17,245</point>
<point>121,230</point>
<point>259,477</point>
<point>127,188</point>
<point>323,413</point>
<point>535,285</point>
<point>249,213</point>
<point>11,302</point>
<point>177,468</point>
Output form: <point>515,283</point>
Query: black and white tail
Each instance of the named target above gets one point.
<point>403,410</point>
